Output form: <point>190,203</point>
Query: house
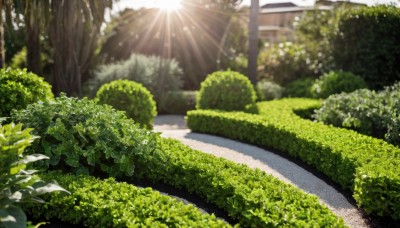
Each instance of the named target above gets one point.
<point>276,19</point>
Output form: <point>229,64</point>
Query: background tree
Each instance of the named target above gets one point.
<point>74,32</point>
<point>253,40</point>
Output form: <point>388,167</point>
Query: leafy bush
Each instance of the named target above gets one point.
<point>226,90</point>
<point>177,102</point>
<point>130,97</point>
<point>156,74</point>
<point>366,44</point>
<point>18,185</point>
<point>81,136</point>
<point>337,82</point>
<point>368,112</point>
<point>284,63</point>
<point>107,203</point>
<point>365,165</point>
<point>267,90</point>
<point>19,88</point>
<point>250,196</point>
<point>299,88</point>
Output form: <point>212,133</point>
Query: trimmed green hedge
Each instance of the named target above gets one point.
<point>107,203</point>
<point>363,164</point>
<point>250,196</point>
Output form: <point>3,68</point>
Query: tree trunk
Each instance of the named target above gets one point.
<point>2,51</point>
<point>33,39</point>
<point>253,41</point>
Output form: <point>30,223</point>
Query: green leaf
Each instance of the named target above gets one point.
<point>12,217</point>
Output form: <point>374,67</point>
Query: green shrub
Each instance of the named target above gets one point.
<point>365,165</point>
<point>81,136</point>
<point>365,111</point>
<point>250,196</point>
<point>226,90</point>
<point>337,82</point>
<point>107,203</point>
<point>299,88</point>
<point>284,63</point>
<point>156,74</point>
<point>19,88</point>
<point>366,44</point>
<point>18,185</point>
<point>131,97</point>
<point>267,90</point>
<point>177,102</point>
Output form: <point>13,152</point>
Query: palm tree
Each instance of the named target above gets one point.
<point>253,41</point>
<point>73,32</point>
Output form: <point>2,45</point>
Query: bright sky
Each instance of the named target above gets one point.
<point>156,3</point>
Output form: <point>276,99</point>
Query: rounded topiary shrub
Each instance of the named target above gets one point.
<point>81,136</point>
<point>267,90</point>
<point>131,97</point>
<point>19,88</point>
<point>225,90</point>
<point>337,82</point>
<point>299,88</point>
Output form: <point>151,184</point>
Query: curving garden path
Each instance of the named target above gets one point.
<point>174,126</point>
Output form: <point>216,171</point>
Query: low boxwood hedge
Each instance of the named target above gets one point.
<point>367,166</point>
<point>250,196</point>
<point>107,203</point>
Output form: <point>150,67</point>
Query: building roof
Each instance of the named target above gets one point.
<point>278,5</point>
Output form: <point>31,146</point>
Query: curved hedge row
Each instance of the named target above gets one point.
<point>250,196</point>
<point>107,203</point>
<point>71,131</point>
<point>365,165</point>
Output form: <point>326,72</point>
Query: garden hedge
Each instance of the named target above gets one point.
<point>365,165</point>
<point>107,203</point>
<point>250,196</point>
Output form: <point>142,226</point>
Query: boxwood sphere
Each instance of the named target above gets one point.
<point>19,88</point>
<point>131,97</point>
<point>225,90</point>
<point>337,82</point>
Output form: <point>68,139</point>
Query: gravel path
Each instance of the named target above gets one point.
<point>173,126</point>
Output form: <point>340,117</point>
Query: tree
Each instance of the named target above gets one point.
<point>253,41</point>
<point>2,51</point>
<point>74,31</point>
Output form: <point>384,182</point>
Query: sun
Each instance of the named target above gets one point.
<point>169,5</point>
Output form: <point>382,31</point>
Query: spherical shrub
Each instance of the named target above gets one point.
<point>267,90</point>
<point>19,88</point>
<point>225,90</point>
<point>131,97</point>
<point>81,136</point>
<point>299,88</point>
<point>337,82</point>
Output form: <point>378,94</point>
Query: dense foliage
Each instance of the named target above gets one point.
<point>225,90</point>
<point>336,82</point>
<point>267,90</point>
<point>300,88</point>
<point>177,102</point>
<point>156,74</point>
<point>19,88</point>
<point>284,63</point>
<point>17,184</point>
<point>250,196</point>
<point>366,43</point>
<point>81,136</point>
<point>365,165</point>
<point>107,203</point>
<point>368,112</point>
<point>131,97</point>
